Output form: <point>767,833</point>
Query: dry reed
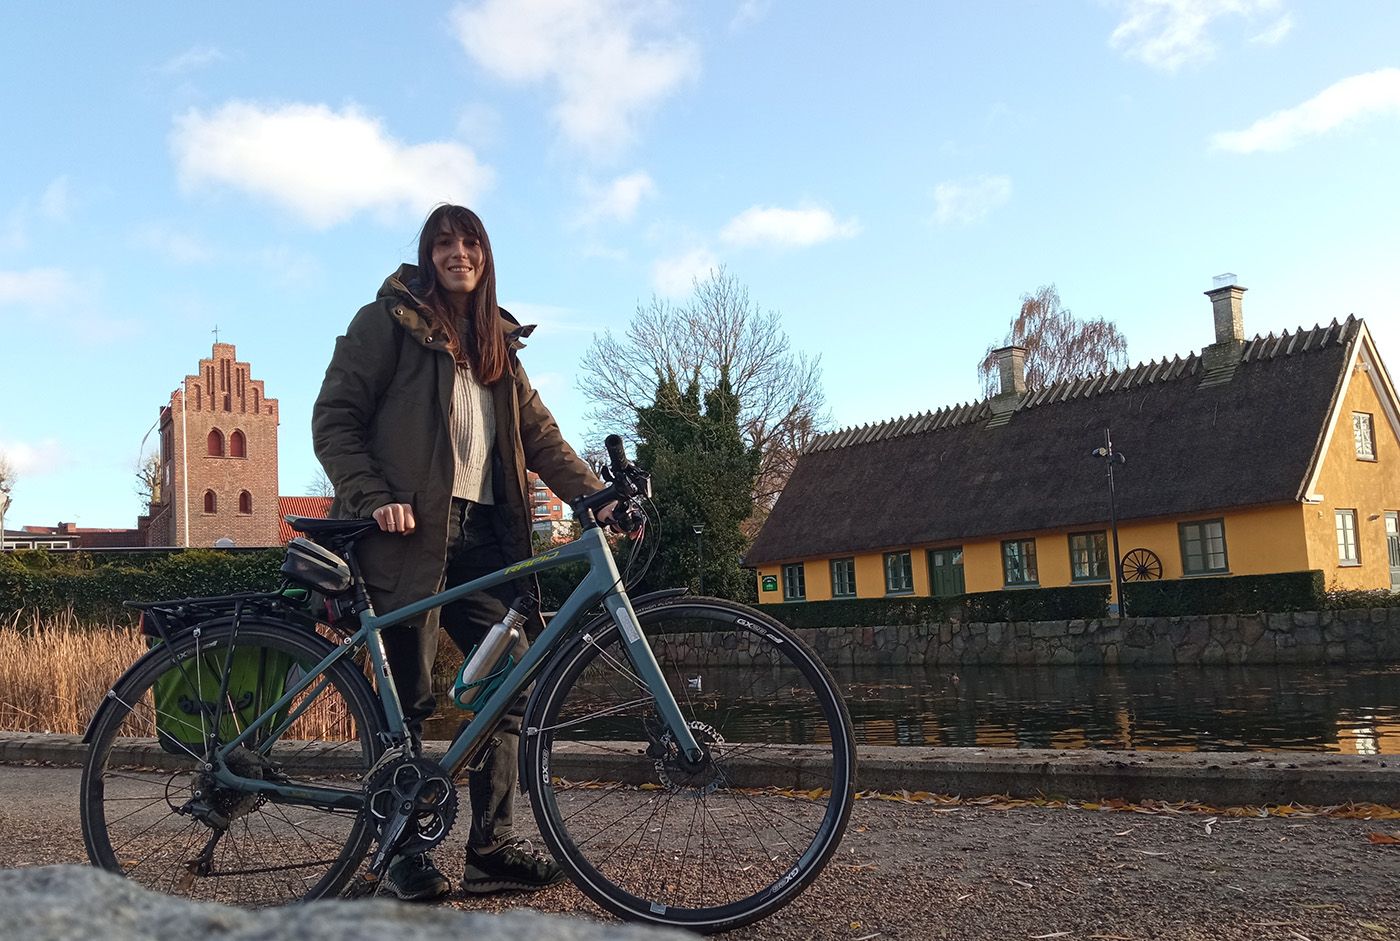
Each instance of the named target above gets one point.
<point>55,671</point>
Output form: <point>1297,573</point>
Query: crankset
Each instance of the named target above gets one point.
<point>412,803</point>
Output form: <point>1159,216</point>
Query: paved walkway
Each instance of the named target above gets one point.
<point>988,870</point>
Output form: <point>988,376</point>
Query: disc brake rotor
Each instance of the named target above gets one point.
<point>679,776</point>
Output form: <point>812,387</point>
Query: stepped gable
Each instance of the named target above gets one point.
<point>963,473</point>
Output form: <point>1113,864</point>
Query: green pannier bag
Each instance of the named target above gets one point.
<point>257,678</point>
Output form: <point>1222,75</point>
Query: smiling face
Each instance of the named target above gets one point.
<point>458,260</point>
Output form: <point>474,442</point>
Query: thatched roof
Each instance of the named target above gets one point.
<point>1196,441</point>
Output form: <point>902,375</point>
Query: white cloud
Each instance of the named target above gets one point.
<point>786,227</point>
<point>172,244</point>
<point>56,202</point>
<point>749,11</point>
<point>1275,33</point>
<point>324,166</point>
<point>607,61</point>
<point>676,276</point>
<point>1167,34</point>
<point>549,318</point>
<point>966,201</point>
<point>617,199</point>
<point>1371,94</point>
<point>196,57</point>
<point>35,460</point>
<point>37,287</point>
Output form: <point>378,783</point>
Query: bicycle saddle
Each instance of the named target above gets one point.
<point>337,530</point>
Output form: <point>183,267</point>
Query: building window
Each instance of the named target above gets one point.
<point>1088,557</point>
<point>899,573</point>
<point>211,502</point>
<point>794,583</point>
<point>245,503</point>
<point>216,443</point>
<point>1018,562</point>
<point>1348,552</point>
<point>1363,436</point>
<point>843,578</point>
<point>1203,547</point>
<point>237,445</point>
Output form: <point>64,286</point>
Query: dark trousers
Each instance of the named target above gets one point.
<point>472,551</point>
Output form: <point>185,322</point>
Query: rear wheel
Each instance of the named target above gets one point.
<point>151,808</point>
<point>707,846</point>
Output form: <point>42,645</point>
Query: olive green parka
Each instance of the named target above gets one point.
<point>380,428</point>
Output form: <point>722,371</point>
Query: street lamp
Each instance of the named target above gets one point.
<point>1110,458</point>
<point>698,530</point>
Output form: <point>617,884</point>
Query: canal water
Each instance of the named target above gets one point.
<point>1352,709</point>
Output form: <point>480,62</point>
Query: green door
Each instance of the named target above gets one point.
<point>1392,544</point>
<point>945,572</point>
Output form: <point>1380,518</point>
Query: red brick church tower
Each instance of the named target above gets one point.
<point>218,460</point>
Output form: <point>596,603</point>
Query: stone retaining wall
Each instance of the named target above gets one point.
<point>1349,636</point>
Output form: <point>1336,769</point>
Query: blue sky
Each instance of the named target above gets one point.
<point>891,181</point>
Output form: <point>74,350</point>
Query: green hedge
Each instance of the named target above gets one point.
<point>1028,604</point>
<point>1231,594</point>
<point>94,587</point>
<point>1037,604</point>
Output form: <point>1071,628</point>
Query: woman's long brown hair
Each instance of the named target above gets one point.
<point>476,341</point>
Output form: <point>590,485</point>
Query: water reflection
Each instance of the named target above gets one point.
<point>1353,709</point>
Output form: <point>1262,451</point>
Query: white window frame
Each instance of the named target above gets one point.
<point>1363,435</point>
<point>1348,537</point>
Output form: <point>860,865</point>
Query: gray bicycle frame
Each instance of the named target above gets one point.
<point>600,584</point>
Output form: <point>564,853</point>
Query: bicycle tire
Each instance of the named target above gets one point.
<point>268,853</point>
<point>585,720</point>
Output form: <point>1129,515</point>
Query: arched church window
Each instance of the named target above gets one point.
<point>216,443</point>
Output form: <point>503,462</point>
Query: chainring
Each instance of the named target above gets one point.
<point>422,788</point>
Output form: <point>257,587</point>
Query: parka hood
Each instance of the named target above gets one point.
<point>398,293</point>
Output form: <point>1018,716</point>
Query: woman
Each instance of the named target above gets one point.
<point>426,421</point>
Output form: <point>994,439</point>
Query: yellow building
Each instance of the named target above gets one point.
<point>1275,454</point>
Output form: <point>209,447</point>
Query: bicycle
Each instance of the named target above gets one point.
<point>657,795</point>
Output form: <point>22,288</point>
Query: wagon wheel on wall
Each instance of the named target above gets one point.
<point>1141,565</point>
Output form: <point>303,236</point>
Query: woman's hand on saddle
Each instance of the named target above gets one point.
<point>396,518</point>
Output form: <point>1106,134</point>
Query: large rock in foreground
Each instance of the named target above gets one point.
<point>79,903</point>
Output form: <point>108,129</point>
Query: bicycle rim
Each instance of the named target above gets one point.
<point>150,812</point>
<point>708,847</point>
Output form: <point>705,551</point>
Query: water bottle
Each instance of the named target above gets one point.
<point>489,660</point>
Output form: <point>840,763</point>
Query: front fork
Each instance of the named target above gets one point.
<point>644,660</point>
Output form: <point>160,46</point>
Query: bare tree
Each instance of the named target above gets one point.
<point>719,329</point>
<point>148,479</point>
<point>8,478</point>
<point>1058,345</point>
<point>320,485</point>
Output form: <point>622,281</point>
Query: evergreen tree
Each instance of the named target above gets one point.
<point>702,475</point>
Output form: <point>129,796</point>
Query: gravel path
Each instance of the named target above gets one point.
<point>922,871</point>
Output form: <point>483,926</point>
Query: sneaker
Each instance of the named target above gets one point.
<point>416,879</point>
<point>512,867</point>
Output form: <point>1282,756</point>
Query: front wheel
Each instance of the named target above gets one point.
<point>708,846</point>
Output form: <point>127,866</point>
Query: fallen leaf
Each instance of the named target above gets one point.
<point>1384,838</point>
<point>1372,926</point>
<point>1210,823</point>
<point>1150,852</point>
<point>867,937</point>
<point>1053,934</point>
<point>1020,883</point>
